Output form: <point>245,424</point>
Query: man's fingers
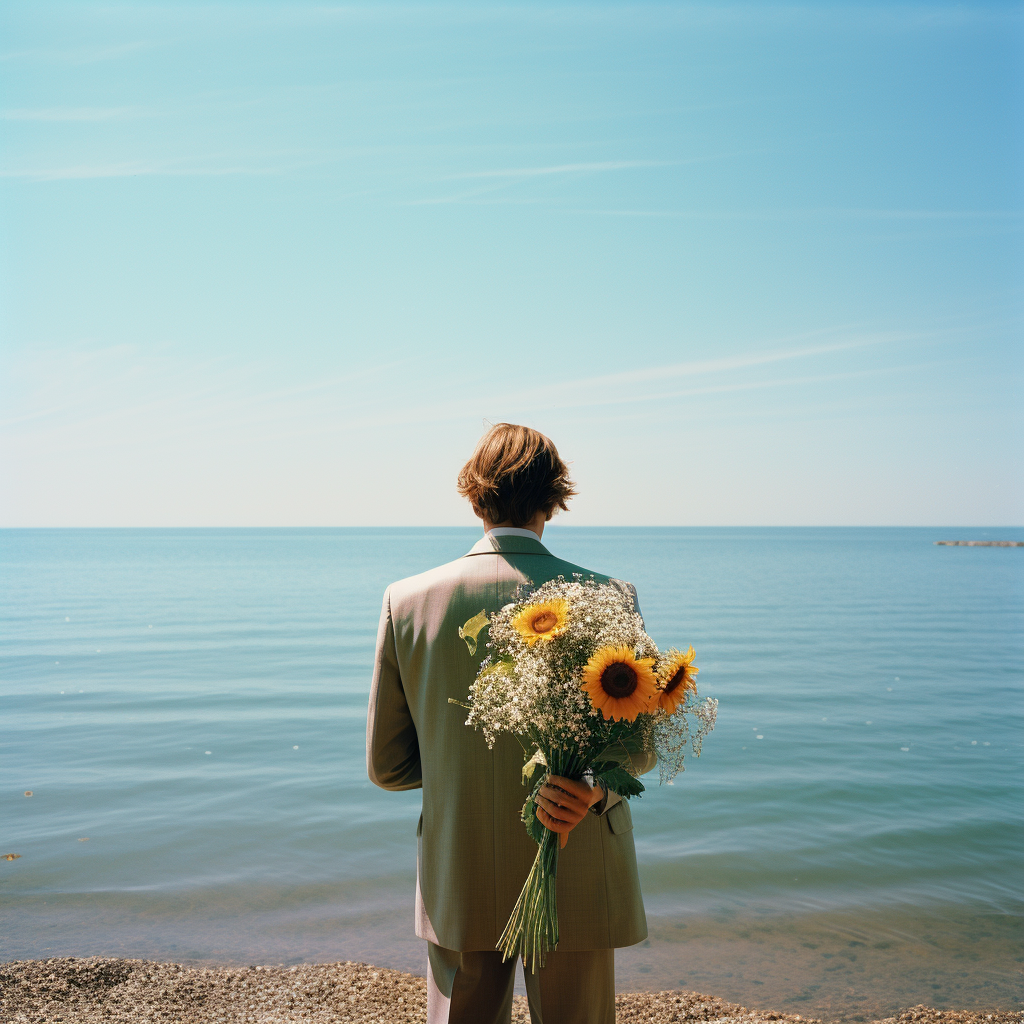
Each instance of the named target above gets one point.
<point>553,823</point>
<point>555,799</point>
<point>557,812</point>
<point>580,790</point>
<point>561,804</point>
<point>562,799</point>
<point>571,815</point>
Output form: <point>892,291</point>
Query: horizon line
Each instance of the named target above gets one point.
<point>570,526</point>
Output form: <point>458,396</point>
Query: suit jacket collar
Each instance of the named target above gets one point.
<point>490,545</point>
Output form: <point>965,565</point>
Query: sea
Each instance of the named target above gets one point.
<point>182,776</point>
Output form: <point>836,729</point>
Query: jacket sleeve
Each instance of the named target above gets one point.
<point>392,747</point>
<point>643,760</point>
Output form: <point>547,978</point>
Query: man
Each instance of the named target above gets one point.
<point>474,853</point>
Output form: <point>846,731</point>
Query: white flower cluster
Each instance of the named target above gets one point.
<point>671,735</point>
<point>536,689</point>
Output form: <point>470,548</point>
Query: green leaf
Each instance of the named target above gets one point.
<point>623,749</point>
<point>531,766</point>
<point>472,629</point>
<point>611,757</point>
<point>618,780</point>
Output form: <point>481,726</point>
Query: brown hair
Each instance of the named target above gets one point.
<point>514,473</point>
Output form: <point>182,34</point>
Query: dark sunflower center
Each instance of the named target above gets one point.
<point>618,680</point>
<point>545,622</point>
<point>676,680</point>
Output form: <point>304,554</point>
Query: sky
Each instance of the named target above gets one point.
<point>280,264</point>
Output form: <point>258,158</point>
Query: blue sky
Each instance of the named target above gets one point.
<point>277,264</point>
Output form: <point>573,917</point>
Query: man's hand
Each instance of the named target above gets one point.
<point>562,804</point>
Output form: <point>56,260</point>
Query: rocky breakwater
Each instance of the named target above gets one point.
<point>981,543</point>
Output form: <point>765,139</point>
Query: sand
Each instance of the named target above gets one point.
<point>72,990</point>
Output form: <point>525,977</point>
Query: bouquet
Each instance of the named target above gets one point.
<point>571,669</point>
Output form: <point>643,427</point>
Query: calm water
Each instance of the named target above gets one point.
<point>188,710</point>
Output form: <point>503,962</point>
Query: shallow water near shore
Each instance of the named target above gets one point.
<point>187,708</point>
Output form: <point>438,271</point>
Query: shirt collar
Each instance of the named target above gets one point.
<point>511,531</point>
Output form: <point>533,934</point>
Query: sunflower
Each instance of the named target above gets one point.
<point>620,684</point>
<point>676,679</point>
<point>542,621</point>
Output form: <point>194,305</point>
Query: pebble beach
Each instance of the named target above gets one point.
<point>84,990</point>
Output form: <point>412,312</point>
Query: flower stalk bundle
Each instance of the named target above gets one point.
<point>571,669</point>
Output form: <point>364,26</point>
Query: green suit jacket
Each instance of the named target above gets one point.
<point>474,853</point>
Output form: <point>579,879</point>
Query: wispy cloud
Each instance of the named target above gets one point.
<point>917,214</point>
<point>611,389</point>
<point>61,114</point>
<point>108,373</point>
<point>136,169</point>
<point>583,168</point>
<point>784,382</point>
<point>84,399</point>
<point>741,361</point>
<point>278,162</point>
<point>77,55</point>
<point>647,16</point>
<point>151,402</point>
<point>501,179</point>
<point>602,393</point>
<point>810,213</point>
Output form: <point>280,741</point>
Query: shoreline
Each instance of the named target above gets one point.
<point>81,990</point>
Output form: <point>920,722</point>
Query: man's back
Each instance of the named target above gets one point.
<point>474,853</point>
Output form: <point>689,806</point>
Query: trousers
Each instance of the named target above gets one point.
<point>476,987</point>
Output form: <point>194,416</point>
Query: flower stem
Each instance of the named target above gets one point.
<point>532,930</point>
